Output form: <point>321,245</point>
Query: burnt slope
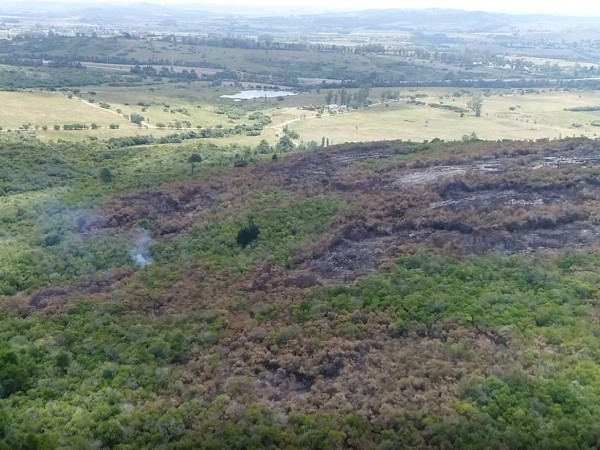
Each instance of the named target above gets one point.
<point>397,294</point>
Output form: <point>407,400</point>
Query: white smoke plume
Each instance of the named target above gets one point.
<point>140,253</point>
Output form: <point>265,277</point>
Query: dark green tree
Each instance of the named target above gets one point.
<point>285,144</point>
<point>13,376</point>
<point>195,159</point>
<point>136,118</point>
<point>263,147</point>
<point>106,175</point>
<point>248,233</point>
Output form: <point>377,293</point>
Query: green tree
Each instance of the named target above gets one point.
<point>263,147</point>
<point>475,104</point>
<point>193,159</point>
<point>285,144</point>
<point>248,233</point>
<point>136,118</point>
<point>13,376</point>
<point>106,175</point>
<point>110,432</point>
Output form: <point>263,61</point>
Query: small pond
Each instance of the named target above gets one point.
<point>251,94</point>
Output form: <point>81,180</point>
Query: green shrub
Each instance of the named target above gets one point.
<point>13,376</point>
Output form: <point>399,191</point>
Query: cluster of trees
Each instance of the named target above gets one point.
<point>65,64</point>
<point>469,57</point>
<point>253,111</point>
<point>66,127</point>
<point>266,42</point>
<point>55,63</point>
<point>12,78</point>
<point>453,108</point>
<point>285,78</point>
<point>14,60</point>
<point>177,138</point>
<point>136,118</point>
<point>34,48</point>
<point>291,133</point>
<point>343,97</point>
<point>78,126</point>
<point>165,72</point>
<point>583,109</point>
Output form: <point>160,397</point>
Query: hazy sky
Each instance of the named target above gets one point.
<point>572,7</point>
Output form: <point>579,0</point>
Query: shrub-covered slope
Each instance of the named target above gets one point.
<point>397,295</point>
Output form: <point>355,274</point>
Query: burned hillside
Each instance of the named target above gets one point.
<point>395,292</point>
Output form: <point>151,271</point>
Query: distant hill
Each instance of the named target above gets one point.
<point>429,19</point>
<point>433,19</point>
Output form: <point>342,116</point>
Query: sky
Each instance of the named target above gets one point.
<point>572,7</point>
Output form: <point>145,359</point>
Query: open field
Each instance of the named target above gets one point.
<point>505,114</point>
<point>534,116</point>
<point>167,105</point>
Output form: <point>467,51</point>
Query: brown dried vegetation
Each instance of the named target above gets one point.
<point>473,198</point>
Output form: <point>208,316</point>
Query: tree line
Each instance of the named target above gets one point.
<point>165,72</point>
<point>266,42</point>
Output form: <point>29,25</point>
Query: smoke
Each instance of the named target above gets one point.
<point>140,253</point>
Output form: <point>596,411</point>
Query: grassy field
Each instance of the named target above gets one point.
<point>504,116</point>
<point>166,104</point>
<point>38,108</point>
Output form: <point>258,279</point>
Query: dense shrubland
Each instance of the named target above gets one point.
<point>363,307</point>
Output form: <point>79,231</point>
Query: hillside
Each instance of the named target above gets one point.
<point>275,17</point>
<point>398,295</point>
